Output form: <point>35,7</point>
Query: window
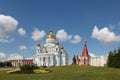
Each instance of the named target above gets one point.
<point>43,59</point>
<point>84,61</point>
<point>49,59</point>
<point>56,49</point>
<point>38,50</point>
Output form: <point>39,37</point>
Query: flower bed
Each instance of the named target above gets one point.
<point>36,71</point>
<point>12,71</point>
<point>42,71</point>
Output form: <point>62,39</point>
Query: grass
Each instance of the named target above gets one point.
<point>68,73</point>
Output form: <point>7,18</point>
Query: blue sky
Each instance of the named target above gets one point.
<point>97,21</point>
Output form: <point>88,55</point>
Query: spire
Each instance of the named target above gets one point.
<point>85,42</point>
<point>85,50</point>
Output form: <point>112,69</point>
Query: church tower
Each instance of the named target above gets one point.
<point>38,48</point>
<point>85,57</point>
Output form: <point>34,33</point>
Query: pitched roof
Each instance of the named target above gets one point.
<point>85,50</point>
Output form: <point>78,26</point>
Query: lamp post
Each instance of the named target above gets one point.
<point>23,48</point>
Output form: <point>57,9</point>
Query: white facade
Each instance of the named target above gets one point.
<point>98,61</point>
<point>51,54</point>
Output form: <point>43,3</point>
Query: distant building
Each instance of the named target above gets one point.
<point>21,62</point>
<point>98,61</point>
<point>86,59</point>
<point>52,53</point>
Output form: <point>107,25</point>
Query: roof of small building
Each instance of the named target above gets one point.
<point>85,50</point>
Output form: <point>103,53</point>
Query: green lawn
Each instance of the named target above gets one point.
<point>68,73</point>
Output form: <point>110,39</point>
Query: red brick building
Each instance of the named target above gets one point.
<point>17,63</point>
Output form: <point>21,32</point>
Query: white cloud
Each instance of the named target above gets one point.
<point>2,55</point>
<point>8,26</point>
<point>92,55</point>
<point>63,36</point>
<point>76,39</point>
<point>30,57</point>
<point>22,47</point>
<point>37,35</point>
<point>105,36</point>
<point>4,40</point>
<point>21,31</point>
<point>14,57</point>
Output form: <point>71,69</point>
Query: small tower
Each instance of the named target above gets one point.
<point>64,56</point>
<point>38,48</point>
<point>85,57</point>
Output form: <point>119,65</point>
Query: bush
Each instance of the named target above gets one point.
<point>28,68</point>
<point>5,64</point>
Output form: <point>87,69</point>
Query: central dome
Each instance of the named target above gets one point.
<point>51,35</point>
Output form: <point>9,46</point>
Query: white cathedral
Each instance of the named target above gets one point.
<point>52,54</point>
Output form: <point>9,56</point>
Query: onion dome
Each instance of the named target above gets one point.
<point>51,35</point>
<point>62,47</point>
<point>38,44</point>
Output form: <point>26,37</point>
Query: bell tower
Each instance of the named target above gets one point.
<point>38,48</point>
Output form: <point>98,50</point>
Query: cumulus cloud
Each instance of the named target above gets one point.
<point>21,31</point>
<point>63,36</point>
<point>22,47</point>
<point>76,39</point>
<point>37,35</point>
<point>92,55</point>
<point>2,55</point>
<point>8,26</point>
<point>105,36</point>
<point>14,56</point>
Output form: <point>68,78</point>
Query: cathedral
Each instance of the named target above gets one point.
<point>52,54</point>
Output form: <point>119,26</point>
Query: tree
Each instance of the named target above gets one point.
<point>74,59</point>
<point>114,58</point>
<point>1,64</point>
<point>110,59</point>
<point>8,64</point>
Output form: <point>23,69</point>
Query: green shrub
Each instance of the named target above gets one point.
<point>28,67</point>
